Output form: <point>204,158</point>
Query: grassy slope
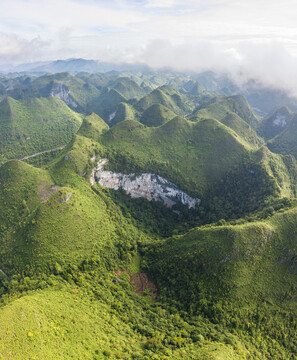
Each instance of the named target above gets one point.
<point>62,325</point>
<point>274,124</point>
<point>73,224</point>
<point>167,97</point>
<point>22,187</point>
<point>92,127</point>
<point>73,324</point>
<point>35,125</point>
<point>124,112</point>
<point>156,115</point>
<point>219,107</point>
<point>193,149</point>
<point>128,88</point>
<point>233,121</point>
<point>82,92</point>
<point>249,262</point>
<point>107,103</point>
<point>285,142</point>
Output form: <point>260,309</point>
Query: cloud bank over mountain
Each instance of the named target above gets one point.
<point>257,39</point>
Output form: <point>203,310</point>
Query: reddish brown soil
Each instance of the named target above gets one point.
<point>141,282</point>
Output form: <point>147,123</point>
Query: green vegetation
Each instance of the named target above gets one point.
<point>156,115</point>
<point>90,273</point>
<point>34,125</point>
<point>167,97</point>
<point>188,153</point>
<point>124,112</point>
<point>128,88</point>
<point>219,107</point>
<point>285,142</point>
<point>92,127</point>
<point>107,103</point>
<point>79,93</point>
<point>274,124</point>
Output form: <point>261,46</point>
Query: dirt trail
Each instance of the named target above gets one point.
<point>41,152</point>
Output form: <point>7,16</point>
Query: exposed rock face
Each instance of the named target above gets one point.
<point>62,93</point>
<point>112,116</point>
<point>280,120</point>
<point>147,185</point>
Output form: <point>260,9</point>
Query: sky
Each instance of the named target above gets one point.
<point>250,39</point>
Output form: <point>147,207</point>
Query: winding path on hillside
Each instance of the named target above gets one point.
<point>41,152</point>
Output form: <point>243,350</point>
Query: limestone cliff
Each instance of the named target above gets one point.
<point>147,185</point>
<point>61,92</point>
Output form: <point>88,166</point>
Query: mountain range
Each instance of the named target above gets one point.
<point>145,215</point>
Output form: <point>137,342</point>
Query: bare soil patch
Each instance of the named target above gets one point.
<point>45,190</point>
<point>141,281</point>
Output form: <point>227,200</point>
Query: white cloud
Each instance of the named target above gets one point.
<point>13,47</point>
<point>269,63</point>
<point>258,37</point>
<point>160,3</point>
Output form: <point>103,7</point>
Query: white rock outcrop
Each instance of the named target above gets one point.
<point>62,93</point>
<point>280,120</point>
<point>147,185</point>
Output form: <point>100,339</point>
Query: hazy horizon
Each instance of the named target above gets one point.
<point>248,40</point>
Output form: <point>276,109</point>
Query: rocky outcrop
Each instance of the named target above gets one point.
<point>147,185</point>
<point>111,116</point>
<point>280,120</point>
<point>61,92</point>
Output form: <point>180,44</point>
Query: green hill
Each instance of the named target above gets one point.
<point>124,112</point>
<point>22,190</point>
<point>128,88</point>
<point>207,160</point>
<point>65,223</point>
<point>167,97</point>
<point>34,125</point>
<point>156,115</point>
<point>74,91</point>
<point>92,127</point>
<point>274,124</point>
<point>219,107</point>
<point>198,153</point>
<point>187,85</point>
<point>234,122</point>
<point>285,142</point>
<point>106,105</point>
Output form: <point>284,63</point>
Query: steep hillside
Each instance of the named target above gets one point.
<point>167,97</point>
<point>74,91</point>
<point>156,115</point>
<point>285,141</point>
<point>23,188</point>
<point>29,126</point>
<point>274,124</point>
<point>197,153</point>
<point>124,111</point>
<point>128,88</point>
<point>233,121</point>
<point>92,127</point>
<point>219,107</point>
<point>46,232</point>
<point>106,105</point>
<point>239,275</point>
